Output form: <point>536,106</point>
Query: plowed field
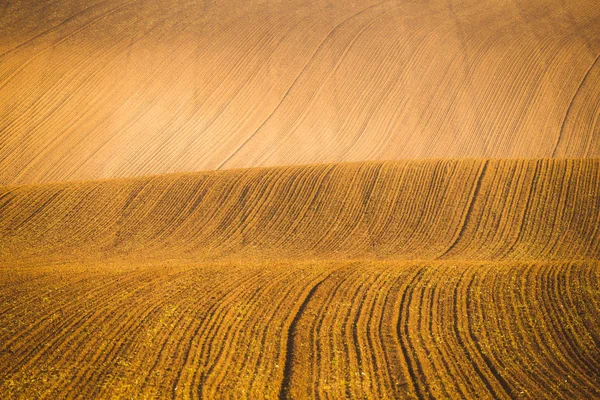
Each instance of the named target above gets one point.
<point>417,210</point>
<point>117,88</point>
<point>302,330</point>
<point>300,199</point>
<point>398,279</point>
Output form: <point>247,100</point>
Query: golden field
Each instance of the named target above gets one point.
<point>304,329</point>
<point>475,210</point>
<point>118,88</point>
<point>299,199</point>
<point>449,278</point>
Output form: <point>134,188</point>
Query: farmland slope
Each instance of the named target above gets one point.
<point>416,279</point>
<point>117,88</point>
<point>301,330</point>
<point>486,210</point>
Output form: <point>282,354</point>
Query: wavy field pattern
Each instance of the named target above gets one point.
<point>300,199</point>
<point>464,210</point>
<point>119,88</point>
<point>301,282</point>
<point>302,330</point>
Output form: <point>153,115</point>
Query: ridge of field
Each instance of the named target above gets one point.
<point>298,329</point>
<point>485,210</point>
<point>117,88</point>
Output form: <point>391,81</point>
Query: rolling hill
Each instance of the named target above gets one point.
<point>120,88</point>
<point>416,279</point>
<point>468,210</point>
<point>300,199</point>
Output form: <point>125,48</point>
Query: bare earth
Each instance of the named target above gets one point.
<point>299,199</point>
<point>406,279</point>
<point>120,88</point>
